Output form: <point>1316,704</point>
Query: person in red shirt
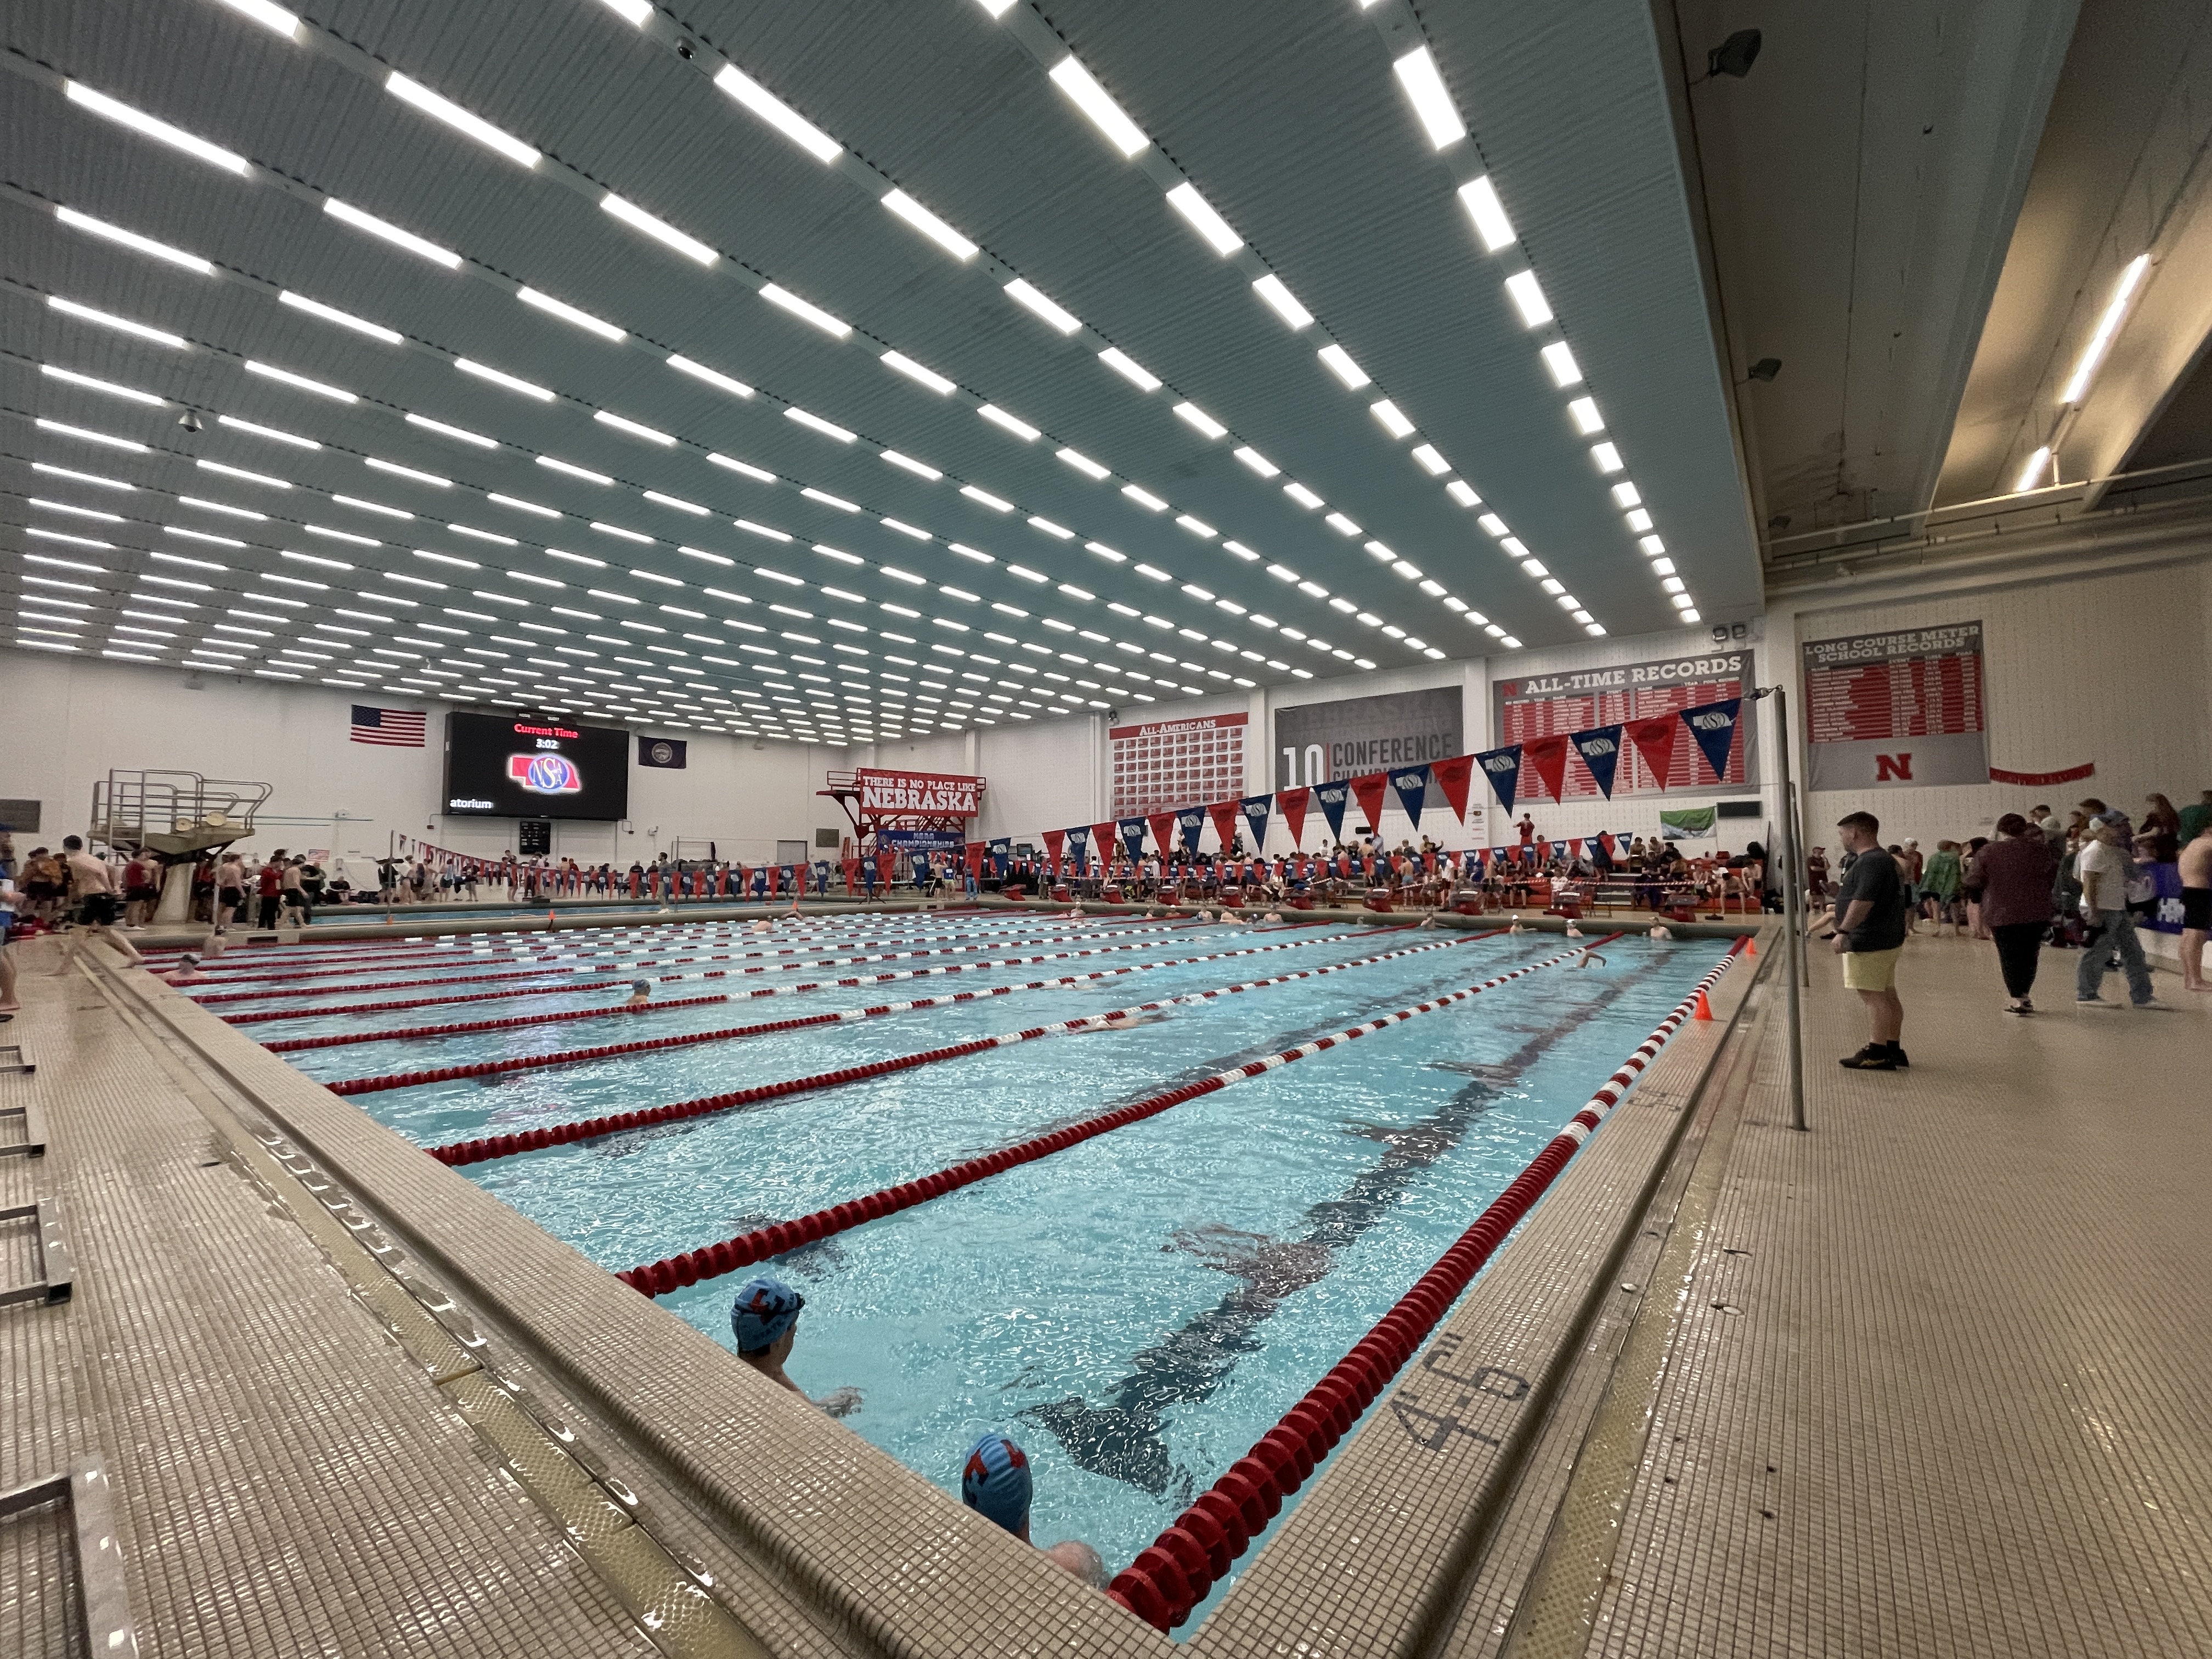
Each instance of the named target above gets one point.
<point>268,888</point>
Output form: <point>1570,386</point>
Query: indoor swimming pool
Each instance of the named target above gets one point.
<point>1136,1309</point>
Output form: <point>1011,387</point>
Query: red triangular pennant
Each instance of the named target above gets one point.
<point>1548,757</point>
<point>1655,742</point>
<point>1104,839</point>
<point>1368,792</point>
<point>1224,815</point>
<point>1164,828</point>
<point>1451,776</point>
<point>1292,804</point>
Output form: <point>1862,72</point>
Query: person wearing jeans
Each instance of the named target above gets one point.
<point>2103,868</point>
<point>2014,873</point>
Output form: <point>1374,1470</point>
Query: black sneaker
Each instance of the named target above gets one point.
<point>1875,1057</point>
<point>1897,1054</point>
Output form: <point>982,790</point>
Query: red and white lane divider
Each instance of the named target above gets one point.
<point>604,945</point>
<point>474,1151</point>
<point>673,1272</point>
<point>347,1039</point>
<point>1175,1573</point>
<point>580,967</point>
<point>689,1039</point>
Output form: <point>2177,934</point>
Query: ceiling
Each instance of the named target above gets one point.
<point>820,593</point>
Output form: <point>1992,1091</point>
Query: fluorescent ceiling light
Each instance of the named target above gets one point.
<point>474,126</point>
<point>638,219</point>
<point>1607,457</point>
<point>1586,419</point>
<point>838,327</point>
<point>1058,531</point>
<point>91,437</point>
<point>1083,464</point>
<point>1304,497</point>
<point>1462,492</point>
<point>393,467</point>
<point>827,500</point>
<point>2108,326</point>
<point>906,529</point>
<point>130,393</point>
<point>1626,494</point>
<point>637,13</point>
<point>1143,498</point>
<point>768,531</point>
<point>498,377</point>
<point>920,469</point>
<point>573,470</point>
<point>1067,322</point>
<point>1639,520</point>
<point>1480,197</point>
<point>76,512</point>
<point>343,319</point>
<point>367,507</point>
<point>987,498</point>
<point>320,388</point>
<point>268,432</point>
<point>1109,554</point>
<point>1561,362</point>
<point>1076,82</point>
<point>1199,418</point>
<point>85,313</point>
<point>1129,369</point>
<point>1431,462</point>
<point>1528,299</point>
<point>1259,463</point>
<point>815,423</point>
<point>1282,301</point>
<point>346,213</point>
<point>1186,200</point>
<point>1417,73</point>
<point>929,224</point>
<point>637,429</point>
<point>999,418</point>
<point>2031,474</point>
<point>313,530</point>
<point>1394,423</point>
<point>929,377</point>
<point>714,378</point>
<point>269,16</point>
<point>472,531</point>
<point>778,114</point>
<point>131,239</point>
<point>569,314</point>
<point>677,502</point>
<point>138,121</point>
<point>1341,525</point>
<point>1198,527</point>
<point>459,433</point>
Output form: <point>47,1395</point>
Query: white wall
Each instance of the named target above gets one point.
<point>2113,667</point>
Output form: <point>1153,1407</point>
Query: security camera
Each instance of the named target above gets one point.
<point>189,421</point>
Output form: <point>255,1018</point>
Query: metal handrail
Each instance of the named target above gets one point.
<point>174,812</point>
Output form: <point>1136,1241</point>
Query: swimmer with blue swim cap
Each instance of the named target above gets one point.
<point>641,991</point>
<point>994,1482</point>
<point>764,1319</point>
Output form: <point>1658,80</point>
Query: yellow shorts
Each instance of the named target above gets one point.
<point>1871,971</point>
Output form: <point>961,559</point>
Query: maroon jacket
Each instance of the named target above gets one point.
<point>2015,873</point>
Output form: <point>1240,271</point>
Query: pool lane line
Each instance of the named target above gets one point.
<point>375,1085</point>
<point>603,945</point>
<point>577,966</point>
<point>1176,1572</point>
<point>711,1262</point>
<point>346,1039</point>
<point>528,1140</point>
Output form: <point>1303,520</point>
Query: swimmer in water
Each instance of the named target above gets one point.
<point>1516,927</point>
<point>994,1482</point>
<point>1272,915</point>
<point>1658,932</point>
<point>1123,1024</point>
<point>641,993</point>
<point>1573,932</point>
<point>1589,959</point>
<point>762,927</point>
<point>186,972</point>
<point>764,1319</point>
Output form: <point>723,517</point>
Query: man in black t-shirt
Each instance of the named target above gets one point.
<point>1870,926</point>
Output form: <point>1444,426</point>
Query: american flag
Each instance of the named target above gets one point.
<point>395,728</point>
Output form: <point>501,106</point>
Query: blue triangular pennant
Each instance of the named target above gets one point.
<point>1256,809</point>
<point>1190,820</point>
<point>1503,767</point>
<point>1600,749</point>
<point>1713,724</point>
<point>1331,797</point>
<point>1412,787</point>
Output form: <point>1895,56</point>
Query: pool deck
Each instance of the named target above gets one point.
<point>1932,1377</point>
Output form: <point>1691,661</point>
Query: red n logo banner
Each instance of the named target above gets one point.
<point>1898,767</point>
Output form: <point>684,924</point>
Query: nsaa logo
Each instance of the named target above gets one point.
<point>1712,722</point>
<point>545,774</point>
<point>1500,763</point>
<point>1599,746</point>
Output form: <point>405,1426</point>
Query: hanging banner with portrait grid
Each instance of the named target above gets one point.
<point>1164,765</point>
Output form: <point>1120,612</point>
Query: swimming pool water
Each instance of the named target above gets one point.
<point>1135,1311</point>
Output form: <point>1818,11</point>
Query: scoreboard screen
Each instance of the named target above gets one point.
<point>534,767</point>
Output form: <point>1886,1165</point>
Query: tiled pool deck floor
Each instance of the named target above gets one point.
<point>1933,1379</point>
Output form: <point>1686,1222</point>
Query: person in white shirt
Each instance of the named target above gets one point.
<point>2103,867</point>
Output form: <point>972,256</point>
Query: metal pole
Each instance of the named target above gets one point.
<point>1792,914</point>
<point>1797,835</point>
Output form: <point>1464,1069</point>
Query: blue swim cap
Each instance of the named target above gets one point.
<point>995,1481</point>
<point>765,1308</point>
<point>644,985</point>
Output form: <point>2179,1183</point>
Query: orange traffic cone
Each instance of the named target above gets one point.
<point>1704,1008</point>
<point>1750,945</point>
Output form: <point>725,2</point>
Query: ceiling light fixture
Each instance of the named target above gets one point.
<point>1065,321</point>
<point>930,225</point>
<point>138,121</point>
<point>1586,419</point>
<point>130,393</point>
<point>714,378</point>
<point>1128,368</point>
<point>1431,462</point>
<point>1480,197</point>
<point>2108,326</point>
<point>1417,72</point>
<point>269,16</point>
<point>1012,424</point>
<point>1607,457</point>
<point>497,377</point>
<point>1462,492</point>
<point>2031,474</point>
<point>132,240</point>
<point>907,463</point>
<point>635,428</point>
<point>837,327</point>
<point>569,314</point>
<point>1259,463</point>
<point>85,313</point>
<point>461,434</point>
<point>1186,200</point>
<point>346,213</point>
<point>815,423</point>
<point>1527,298</point>
<point>638,219</point>
<point>1282,301</point>
<point>343,319</point>
<point>1394,421</point>
<point>474,126</point>
<point>778,114</point>
<point>1198,417</point>
<point>270,432</point>
<point>1093,99</point>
